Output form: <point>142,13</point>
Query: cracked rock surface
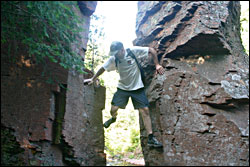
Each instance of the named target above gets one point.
<point>45,124</point>
<point>200,106</point>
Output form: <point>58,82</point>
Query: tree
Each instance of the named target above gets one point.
<point>95,55</point>
<point>244,21</point>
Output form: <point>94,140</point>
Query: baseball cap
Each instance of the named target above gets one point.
<point>115,47</point>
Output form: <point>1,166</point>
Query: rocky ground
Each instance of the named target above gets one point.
<point>125,162</point>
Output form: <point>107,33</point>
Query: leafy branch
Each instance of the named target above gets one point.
<point>48,29</point>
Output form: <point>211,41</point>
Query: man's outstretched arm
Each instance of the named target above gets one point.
<point>91,80</point>
<point>159,68</point>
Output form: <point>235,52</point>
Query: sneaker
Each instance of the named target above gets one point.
<point>154,143</point>
<point>109,122</point>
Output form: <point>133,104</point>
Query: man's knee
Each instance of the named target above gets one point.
<point>113,111</point>
<point>114,108</point>
<point>144,111</point>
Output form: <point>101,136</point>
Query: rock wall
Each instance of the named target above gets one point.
<point>200,106</point>
<point>43,123</point>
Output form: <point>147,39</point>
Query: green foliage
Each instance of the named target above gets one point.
<point>10,149</point>
<point>48,29</point>
<point>122,139</point>
<point>135,140</point>
<point>244,21</point>
<point>95,55</point>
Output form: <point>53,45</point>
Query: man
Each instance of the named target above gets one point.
<point>130,83</point>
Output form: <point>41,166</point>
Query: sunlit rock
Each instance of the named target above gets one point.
<point>200,106</point>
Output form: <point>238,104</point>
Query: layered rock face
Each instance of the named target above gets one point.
<point>44,124</point>
<point>200,106</point>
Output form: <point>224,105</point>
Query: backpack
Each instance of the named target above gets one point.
<point>143,77</point>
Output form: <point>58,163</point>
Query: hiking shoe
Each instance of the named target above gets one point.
<point>153,142</point>
<point>109,122</point>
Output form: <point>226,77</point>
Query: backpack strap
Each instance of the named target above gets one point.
<point>143,77</point>
<point>116,61</point>
<point>130,53</point>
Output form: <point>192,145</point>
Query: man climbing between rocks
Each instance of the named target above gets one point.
<point>130,83</point>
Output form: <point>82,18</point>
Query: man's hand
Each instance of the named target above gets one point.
<point>94,78</point>
<point>88,81</point>
<point>160,69</point>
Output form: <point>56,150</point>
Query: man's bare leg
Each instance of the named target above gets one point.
<point>152,141</point>
<point>113,113</point>
<point>146,119</point>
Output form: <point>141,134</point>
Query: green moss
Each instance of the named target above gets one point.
<point>11,153</point>
<point>60,102</point>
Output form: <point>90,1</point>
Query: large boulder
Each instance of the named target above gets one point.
<point>50,124</point>
<point>200,106</point>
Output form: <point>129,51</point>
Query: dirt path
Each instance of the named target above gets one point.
<point>125,162</point>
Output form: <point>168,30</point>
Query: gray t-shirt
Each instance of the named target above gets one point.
<point>130,76</point>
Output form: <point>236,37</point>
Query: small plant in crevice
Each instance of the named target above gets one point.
<point>11,152</point>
